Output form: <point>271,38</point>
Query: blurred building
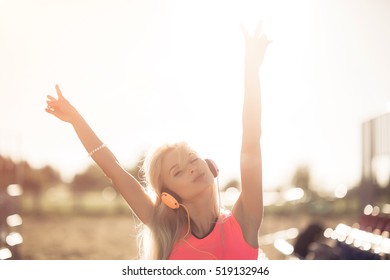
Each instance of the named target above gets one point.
<point>375,158</point>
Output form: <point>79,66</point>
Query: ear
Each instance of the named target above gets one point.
<point>213,167</point>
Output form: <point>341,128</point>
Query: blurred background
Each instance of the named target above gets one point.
<point>146,72</point>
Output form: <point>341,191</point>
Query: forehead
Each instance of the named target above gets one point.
<point>176,156</point>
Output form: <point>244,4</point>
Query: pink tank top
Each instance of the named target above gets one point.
<point>225,242</point>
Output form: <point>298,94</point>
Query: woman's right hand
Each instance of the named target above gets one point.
<point>60,107</point>
<point>255,47</point>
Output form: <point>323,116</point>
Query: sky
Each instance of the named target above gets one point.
<point>146,72</point>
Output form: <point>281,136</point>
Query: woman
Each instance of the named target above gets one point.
<point>185,221</point>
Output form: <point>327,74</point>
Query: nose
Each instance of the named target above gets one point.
<point>192,168</point>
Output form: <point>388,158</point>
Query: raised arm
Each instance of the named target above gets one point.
<point>127,185</point>
<point>249,207</point>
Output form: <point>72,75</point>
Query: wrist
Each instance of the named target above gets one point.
<point>251,69</point>
<point>75,117</point>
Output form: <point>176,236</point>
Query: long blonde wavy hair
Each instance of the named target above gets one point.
<point>168,225</point>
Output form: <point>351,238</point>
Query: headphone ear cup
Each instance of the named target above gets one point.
<point>213,167</point>
<point>169,200</point>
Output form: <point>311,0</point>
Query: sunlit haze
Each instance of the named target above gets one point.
<point>146,72</point>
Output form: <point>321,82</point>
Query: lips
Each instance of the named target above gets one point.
<point>199,177</point>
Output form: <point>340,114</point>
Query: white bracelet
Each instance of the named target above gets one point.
<point>96,149</point>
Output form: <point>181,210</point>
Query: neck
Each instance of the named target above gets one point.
<point>203,212</point>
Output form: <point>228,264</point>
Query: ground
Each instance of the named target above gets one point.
<point>113,237</point>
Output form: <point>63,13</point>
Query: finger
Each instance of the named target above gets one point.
<point>258,29</point>
<point>50,111</point>
<point>51,98</point>
<point>51,103</point>
<point>59,93</point>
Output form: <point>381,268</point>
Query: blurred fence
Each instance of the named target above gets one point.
<point>367,238</point>
<point>11,191</point>
<point>10,222</point>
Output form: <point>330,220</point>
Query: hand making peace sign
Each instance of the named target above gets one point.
<point>255,47</point>
<point>60,107</point>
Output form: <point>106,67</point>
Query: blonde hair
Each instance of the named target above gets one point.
<point>167,225</point>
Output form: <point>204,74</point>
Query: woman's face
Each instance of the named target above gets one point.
<point>186,174</point>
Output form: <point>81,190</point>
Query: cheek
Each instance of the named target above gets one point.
<point>210,178</point>
<point>208,171</point>
<point>166,183</point>
<point>174,184</point>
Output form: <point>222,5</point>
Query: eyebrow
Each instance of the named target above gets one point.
<point>173,167</point>
<point>191,153</point>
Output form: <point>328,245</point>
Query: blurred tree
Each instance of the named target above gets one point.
<point>34,181</point>
<point>92,179</point>
<point>7,172</point>
<point>233,183</point>
<point>49,175</point>
<point>136,170</point>
<point>301,178</point>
